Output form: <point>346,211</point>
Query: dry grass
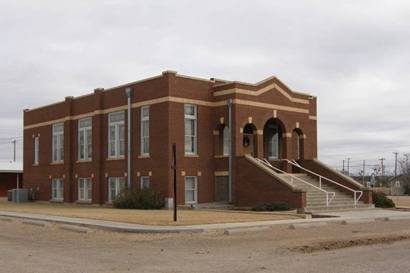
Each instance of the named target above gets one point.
<point>401,201</point>
<point>146,217</point>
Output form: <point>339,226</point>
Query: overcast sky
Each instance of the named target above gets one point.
<point>354,56</point>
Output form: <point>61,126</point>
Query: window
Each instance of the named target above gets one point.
<point>36,150</point>
<point>144,130</point>
<point>58,142</point>
<point>225,140</point>
<point>190,114</point>
<point>57,189</point>
<point>191,189</point>
<point>85,139</point>
<point>273,141</point>
<point>84,189</point>
<point>115,186</point>
<point>144,182</point>
<point>116,142</point>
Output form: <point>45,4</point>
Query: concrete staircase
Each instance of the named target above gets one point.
<point>316,199</point>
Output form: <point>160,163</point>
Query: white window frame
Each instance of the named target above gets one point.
<point>143,180</point>
<point>119,144</point>
<point>85,132</point>
<point>195,189</point>
<point>36,160</point>
<point>144,138</point>
<point>193,150</point>
<point>58,143</point>
<point>84,189</point>
<point>57,189</point>
<point>119,185</point>
<point>225,141</point>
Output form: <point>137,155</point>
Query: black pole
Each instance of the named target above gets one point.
<point>174,166</point>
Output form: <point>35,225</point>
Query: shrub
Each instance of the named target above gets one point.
<point>274,206</point>
<point>139,199</point>
<point>381,200</point>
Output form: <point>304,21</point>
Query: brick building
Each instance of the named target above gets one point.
<point>78,150</point>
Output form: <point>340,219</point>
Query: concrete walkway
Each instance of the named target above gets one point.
<point>353,216</point>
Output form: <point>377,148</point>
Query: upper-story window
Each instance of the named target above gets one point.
<point>225,136</point>
<point>36,150</point>
<point>85,139</point>
<point>116,140</point>
<point>58,142</point>
<point>145,130</point>
<point>190,121</point>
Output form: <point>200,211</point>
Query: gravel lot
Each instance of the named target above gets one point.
<point>25,248</point>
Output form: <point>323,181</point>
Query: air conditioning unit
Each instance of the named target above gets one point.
<point>18,195</point>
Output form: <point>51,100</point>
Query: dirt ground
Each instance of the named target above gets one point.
<point>381,247</point>
<point>401,201</point>
<point>147,217</point>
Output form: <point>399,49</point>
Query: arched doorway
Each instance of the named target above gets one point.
<point>272,139</point>
<point>298,144</point>
<point>248,142</point>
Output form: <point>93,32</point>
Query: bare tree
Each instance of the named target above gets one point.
<point>404,165</point>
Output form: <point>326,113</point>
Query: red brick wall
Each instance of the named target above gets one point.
<point>253,186</point>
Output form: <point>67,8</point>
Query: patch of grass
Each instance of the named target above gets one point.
<point>144,217</point>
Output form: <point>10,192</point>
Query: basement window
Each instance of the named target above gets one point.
<point>84,189</point>
<point>57,189</point>
<point>191,189</point>
<point>115,186</point>
<point>144,182</point>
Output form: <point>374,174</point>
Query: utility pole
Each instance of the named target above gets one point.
<point>363,171</point>
<point>174,167</point>
<point>348,166</point>
<point>382,165</point>
<point>395,164</point>
<point>395,172</point>
<point>343,169</point>
<point>14,148</point>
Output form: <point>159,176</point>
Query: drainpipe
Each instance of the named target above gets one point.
<point>229,102</point>
<point>128,93</point>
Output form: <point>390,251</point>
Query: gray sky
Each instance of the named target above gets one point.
<point>355,56</point>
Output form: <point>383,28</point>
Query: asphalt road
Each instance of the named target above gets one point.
<point>25,248</point>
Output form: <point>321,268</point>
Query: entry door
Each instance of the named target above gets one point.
<point>273,142</point>
<point>221,189</point>
<point>248,144</point>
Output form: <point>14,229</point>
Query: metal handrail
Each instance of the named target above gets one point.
<point>328,199</point>
<point>356,197</point>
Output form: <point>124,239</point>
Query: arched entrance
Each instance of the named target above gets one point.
<point>272,139</point>
<point>298,144</point>
<point>248,142</point>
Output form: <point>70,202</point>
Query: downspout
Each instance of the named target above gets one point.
<point>229,102</point>
<point>128,93</point>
